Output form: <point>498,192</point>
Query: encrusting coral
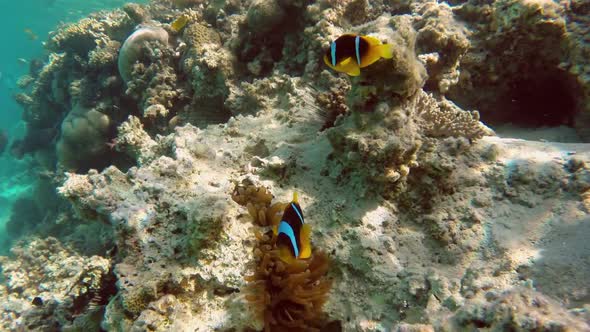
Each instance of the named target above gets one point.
<point>287,297</point>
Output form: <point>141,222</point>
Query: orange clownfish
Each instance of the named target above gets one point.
<point>349,53</point>
<point>293,234</point>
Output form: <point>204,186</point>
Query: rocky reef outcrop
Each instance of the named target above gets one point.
<point>145,122</point>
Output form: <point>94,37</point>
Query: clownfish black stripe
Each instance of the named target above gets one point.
<point>293,234</point>
<point>347,46</point>
<point>349,53</point>
<point>298,213</point>
<point>290,228</point>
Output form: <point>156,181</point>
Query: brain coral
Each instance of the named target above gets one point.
<point>133,47</point>
<point>263,15</point>
<point>83,137</point>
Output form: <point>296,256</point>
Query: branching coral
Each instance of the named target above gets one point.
<point>446,119</point>
<point>287,297</point>
<point>156,83</point>
<point>82,36</point>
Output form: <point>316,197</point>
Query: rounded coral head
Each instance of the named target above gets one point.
<point>132,48</point>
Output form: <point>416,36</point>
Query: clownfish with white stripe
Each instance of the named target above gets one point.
<point>349,53</point>
<point>293,234</point>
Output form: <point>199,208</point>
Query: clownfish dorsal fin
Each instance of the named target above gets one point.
<point>372,40</point>
<point>295,197</point>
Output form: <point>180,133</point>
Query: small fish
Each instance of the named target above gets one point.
<point>31,34</point>
<point>293,234</point>
<point>22,61</point>
<point>349,53</point>
<point>37,301</point>
<point>179,23</point>
<point>3,141</point>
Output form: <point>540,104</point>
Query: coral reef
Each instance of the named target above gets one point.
<point>513,70</point>
<point>383,146</point>
<point>135,46</point>
<point>50,287</point>
<point>516,309</point>
<point>156,152</point>
<point>83,136</point>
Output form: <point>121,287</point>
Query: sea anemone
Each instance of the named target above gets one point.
<point>287,297</point>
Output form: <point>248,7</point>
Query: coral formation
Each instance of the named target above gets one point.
<point>448,120</point>
<point>514,71</point>
<point>135,46</point>
<point>517,309</point>
<point>83,136</point>
<point>50,287</point>
<point>429,220</point>
<point>383,146</point>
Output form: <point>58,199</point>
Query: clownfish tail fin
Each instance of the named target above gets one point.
<point>386,51</point>
<point>295,197</point>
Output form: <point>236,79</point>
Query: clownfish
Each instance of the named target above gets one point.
<point>293,234</point>
<point>349,53</point>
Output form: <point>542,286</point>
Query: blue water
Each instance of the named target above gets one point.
<point>16,19</point>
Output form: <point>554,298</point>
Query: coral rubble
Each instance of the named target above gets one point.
<point>50,287</point>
